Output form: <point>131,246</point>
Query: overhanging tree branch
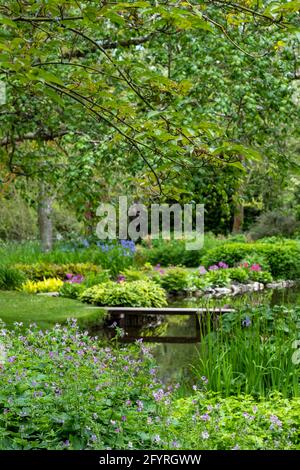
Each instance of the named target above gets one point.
<point>39,135</point>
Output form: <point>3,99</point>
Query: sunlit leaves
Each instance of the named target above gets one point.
<point>178,98</point>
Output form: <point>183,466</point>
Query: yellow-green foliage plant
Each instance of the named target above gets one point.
<point>47,285</point>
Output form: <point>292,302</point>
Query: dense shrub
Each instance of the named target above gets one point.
<point>280,240</point>
<point>130,294</point>
<point>283,259</point>
<point>274,223</point>
<point>166,253</point>
<point>91,279</point>
<point>236,238</point>
<point>10,278</point>
<point>174,252</point>
<point>257,258</point>
<point>18,221</point>
<point>65,223</point>
<point>40,271</point>
<point>47,285</point>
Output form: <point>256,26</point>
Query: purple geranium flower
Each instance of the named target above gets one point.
<point>223,265</point>
<point>214,267</point>
<point>74,279</point>
<point>202,270</point>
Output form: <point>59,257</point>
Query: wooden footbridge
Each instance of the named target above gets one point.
<point>129,316</point>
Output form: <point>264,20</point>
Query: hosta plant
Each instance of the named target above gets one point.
<point>130,294</point>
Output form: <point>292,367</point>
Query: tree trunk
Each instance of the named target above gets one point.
<point>44,218</point>
<point>238,218</point>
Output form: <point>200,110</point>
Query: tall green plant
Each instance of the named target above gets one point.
<point>250,351</point>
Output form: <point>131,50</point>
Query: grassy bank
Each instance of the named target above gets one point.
<point>45,311</point>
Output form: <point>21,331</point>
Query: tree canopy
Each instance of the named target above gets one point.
<point>177,98</point>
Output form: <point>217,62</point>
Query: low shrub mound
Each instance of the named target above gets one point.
<point>219,278</point>
<point>126,294</point>
<point>175,279</point>
<point>239,274</point>
<point>71,291</point>
<point>283,259</point>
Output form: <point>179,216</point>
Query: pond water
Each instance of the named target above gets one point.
<point>175,359</point>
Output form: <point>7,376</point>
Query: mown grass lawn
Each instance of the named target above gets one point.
<point>45,311</point>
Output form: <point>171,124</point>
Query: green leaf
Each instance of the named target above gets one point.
<point>43,75</point>
<point>238,165</point>
<point>54,96</point>
<point>8,22</point>
<point>289,6</point>
<point>4,47</point>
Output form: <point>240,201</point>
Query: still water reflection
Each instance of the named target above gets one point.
<point>175,359</point>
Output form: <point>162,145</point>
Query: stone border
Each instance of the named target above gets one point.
<point>238,289</point>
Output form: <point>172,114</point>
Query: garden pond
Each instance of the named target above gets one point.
<point>176,359</point>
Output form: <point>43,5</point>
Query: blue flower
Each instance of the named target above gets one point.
<point>128,245</point>
<point>246,322</point>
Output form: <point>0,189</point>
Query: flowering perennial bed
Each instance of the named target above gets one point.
<point>61,389</point>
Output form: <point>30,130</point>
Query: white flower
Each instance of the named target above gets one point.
<point>205,435</point>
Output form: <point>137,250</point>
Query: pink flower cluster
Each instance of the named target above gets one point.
<point>222,265</point>
<point>253,267</point>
